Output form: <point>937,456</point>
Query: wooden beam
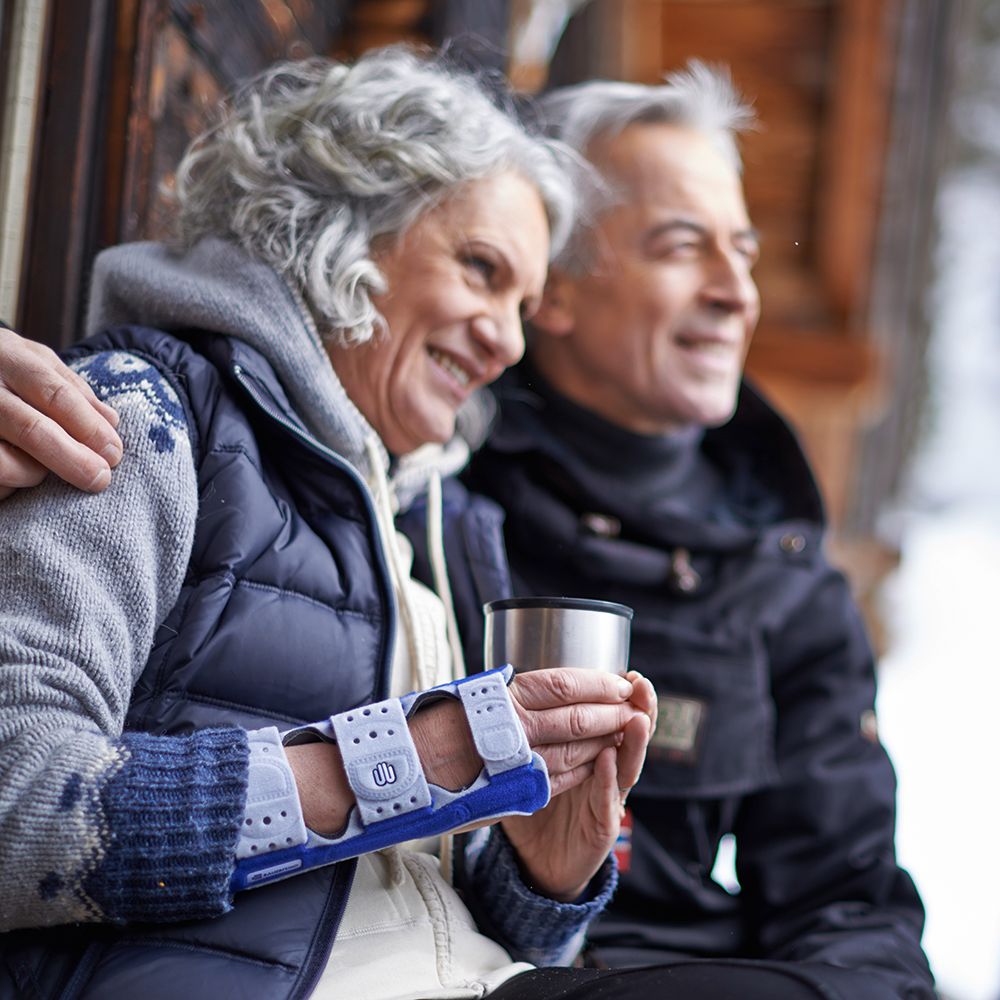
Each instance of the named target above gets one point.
<point>854,145</point>
<point>132,93</point>
<point>23,45</point>
<point>63,209</point>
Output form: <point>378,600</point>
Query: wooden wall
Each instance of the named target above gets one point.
<point>128,84</point>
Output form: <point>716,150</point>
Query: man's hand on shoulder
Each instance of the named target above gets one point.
<point>50,420</point>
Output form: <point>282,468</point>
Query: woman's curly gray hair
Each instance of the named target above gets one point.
<point>314,161</point>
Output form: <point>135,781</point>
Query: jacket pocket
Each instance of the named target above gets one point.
<point>715,732</point>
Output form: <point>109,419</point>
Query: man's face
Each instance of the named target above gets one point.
<point>656,334</point>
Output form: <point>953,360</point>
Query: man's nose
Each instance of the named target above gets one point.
<point>729,285</point>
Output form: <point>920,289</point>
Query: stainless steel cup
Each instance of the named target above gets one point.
<point>536,632</point>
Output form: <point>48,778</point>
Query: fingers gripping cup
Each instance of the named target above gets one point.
<point>533,633</point>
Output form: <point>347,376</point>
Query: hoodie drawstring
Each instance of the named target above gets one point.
<point>424,673</point>
<point>439,568</point>
<point>421,671</point>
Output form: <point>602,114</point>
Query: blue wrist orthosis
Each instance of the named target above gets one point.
<point>395,802</point>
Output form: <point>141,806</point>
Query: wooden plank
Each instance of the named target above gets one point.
<point>236,40</point>
<point>129,139</point>
<point>23,47</point>
<point>856,135</point>
<point>778,56</point>
<point>175,98</point>
<point>63,215</point>
<point>190,96</point>
<point>630,39</point>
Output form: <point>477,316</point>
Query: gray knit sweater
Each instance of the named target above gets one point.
<point>100,825</point>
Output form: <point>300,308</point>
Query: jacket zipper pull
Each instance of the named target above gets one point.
<point>684,578</point>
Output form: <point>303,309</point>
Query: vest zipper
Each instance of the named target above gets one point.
<point>317,959</point>
<point>344,466</point>
<point>343,876</point>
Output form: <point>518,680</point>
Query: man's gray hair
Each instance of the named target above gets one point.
<point>699,97</point>
<point>315,161</point>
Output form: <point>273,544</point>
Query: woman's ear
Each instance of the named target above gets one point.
<point>555,316</point>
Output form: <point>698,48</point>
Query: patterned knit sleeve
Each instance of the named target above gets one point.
<point>532,928</point>
<point>97,824</point>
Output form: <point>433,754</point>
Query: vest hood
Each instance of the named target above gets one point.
<point>217,287</point>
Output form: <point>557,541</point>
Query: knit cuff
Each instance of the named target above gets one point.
<point>533,928</point>
<point>173,814</point>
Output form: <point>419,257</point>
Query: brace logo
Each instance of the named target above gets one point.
<point>384,774</point>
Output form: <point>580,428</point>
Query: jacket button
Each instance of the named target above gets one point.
<point>792,543</point>
<point>602,525</point>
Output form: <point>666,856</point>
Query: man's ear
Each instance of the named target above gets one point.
<point>556,315</point>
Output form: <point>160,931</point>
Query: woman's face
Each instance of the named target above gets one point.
<point>459,282</point>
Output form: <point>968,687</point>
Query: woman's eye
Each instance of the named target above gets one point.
<point>481,265</point>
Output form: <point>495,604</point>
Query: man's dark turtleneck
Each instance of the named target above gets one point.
<point>638,478</point>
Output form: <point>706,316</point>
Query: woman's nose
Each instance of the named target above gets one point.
<point>502,334</point>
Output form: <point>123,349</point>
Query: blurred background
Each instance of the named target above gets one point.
<point>875,181</point>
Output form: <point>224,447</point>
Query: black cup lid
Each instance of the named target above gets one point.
<point>576,603</point>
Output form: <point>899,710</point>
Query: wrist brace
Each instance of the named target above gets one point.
<point>395,802</point>
<point>273,816</point>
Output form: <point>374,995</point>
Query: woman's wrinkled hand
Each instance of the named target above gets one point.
<point>562,846</point>
<point>50,420</point>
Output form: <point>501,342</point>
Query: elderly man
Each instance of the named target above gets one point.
<point>633,464</point>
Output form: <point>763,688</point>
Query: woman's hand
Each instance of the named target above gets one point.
<point>569,716</point>
<point>562,846</point>
<point>50,419</point>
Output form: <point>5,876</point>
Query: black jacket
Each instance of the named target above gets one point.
<point>766,687</point>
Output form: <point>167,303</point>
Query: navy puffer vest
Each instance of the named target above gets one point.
<point>285,616</point>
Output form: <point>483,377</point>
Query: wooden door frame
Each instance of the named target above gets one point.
<point>87,178</point>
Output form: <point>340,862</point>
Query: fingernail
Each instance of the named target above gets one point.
<point>625,688</point>
<point>100,481</point>
<point>112,453</point>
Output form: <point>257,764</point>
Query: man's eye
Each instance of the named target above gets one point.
<point>675,249</point>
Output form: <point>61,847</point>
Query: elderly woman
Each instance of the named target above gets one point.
<point>201,667</point>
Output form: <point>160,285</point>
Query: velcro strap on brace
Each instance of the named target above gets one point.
<point>273,818</point>
<point>381,761</point>
<point>395,801</point>
<point>496,730</point>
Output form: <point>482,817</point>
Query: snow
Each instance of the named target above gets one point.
<point>939,683</point>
